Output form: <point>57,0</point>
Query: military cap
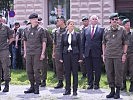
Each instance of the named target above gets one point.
<point>16,23</point>
<point>84,18</point>
<point>33,15</point>
<point>125,21</point>
<point>113,15</point>
<point>62,18</point>
<point>122,17</point>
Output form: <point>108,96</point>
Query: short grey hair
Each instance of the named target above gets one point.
<point>94,16</point>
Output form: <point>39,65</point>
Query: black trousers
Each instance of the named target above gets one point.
<point>71,66</point>
<point>94,67</point>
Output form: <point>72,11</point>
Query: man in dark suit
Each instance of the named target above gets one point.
<point>92,51</point>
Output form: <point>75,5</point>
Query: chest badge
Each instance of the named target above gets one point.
<point>113,35</point>
<point>31,33</point>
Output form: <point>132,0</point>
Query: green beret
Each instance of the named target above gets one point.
<point>125,21</point>
<point>33,15</point>
<point>84,18</point>
<point>122,17</point>
<point>113,15</point>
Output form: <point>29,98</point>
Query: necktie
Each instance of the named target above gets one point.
<point>69,41</point>
<point>92,32</point>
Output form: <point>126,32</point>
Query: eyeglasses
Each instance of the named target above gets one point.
<point>116,19</point>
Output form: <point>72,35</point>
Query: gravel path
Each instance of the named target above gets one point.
<point>17,93</point>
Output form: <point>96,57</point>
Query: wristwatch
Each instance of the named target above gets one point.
<point>125,53</point>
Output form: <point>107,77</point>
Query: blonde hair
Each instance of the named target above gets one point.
<point>69,21</point>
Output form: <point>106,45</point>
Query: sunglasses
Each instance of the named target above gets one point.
<point>116,19</point>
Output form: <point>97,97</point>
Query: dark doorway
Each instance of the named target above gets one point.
<point>125,8</point>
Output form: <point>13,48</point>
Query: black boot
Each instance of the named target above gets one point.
<point>6,88</point>
<point>36,89</point>
<point>31,89</point>
<point>43,84</point>
<point>124,88</point>
<point>112,93</point>
<point>117,94</point>
<point>59,85</point>
<point>131,87</point>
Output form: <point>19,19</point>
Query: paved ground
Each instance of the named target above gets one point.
<point>47,93</point>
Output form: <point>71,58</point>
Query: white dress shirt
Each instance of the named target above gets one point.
<point>70,39</point>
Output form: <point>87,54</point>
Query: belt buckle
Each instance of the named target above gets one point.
<point>69,50</point>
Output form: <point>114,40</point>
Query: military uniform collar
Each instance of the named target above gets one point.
<point>118,27</point>
<point>34,27</point>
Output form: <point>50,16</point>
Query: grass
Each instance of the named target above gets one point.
<point>19,77</point>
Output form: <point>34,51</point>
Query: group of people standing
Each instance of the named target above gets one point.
<point>89,48</point>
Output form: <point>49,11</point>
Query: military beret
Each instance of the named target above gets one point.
<point>122,17</point>
<point>125,21</point>
<point>33,15</point>
<point>84,18</point>
<point>61,17</point>
<point>16,23</point>
<point>113,15</point>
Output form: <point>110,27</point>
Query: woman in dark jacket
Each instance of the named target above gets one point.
<point>71,55</point>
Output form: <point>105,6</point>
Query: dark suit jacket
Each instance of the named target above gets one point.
<point>94,44</point>
<point>75,43</point>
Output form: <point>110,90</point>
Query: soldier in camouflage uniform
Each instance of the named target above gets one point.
<point>6,37</point>
<point>114,55</point>
<point>34,52</point>
<point>56,51</point>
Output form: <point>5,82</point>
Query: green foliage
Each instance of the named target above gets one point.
<point>19,77</point>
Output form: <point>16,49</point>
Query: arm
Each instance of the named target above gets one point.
<point>103,49</point>
<point>24,49</point>
<point>61,49</point>
<point>53,53</point>
<point>43,51</point>
<point>16,42</point>
<point>80,48</point>
<point>44,41</point>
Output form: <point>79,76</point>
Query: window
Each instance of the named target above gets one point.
<point>58,8</point>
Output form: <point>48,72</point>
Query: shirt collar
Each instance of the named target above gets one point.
<point>94,26</point>
<point>70,32</point>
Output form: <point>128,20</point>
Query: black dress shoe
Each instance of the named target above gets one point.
<point>74,93</point>
<point>67,92</point>
<point>59,85</point>
<point>30,90</point>
<point>96,87</point>
<point>90,87</point>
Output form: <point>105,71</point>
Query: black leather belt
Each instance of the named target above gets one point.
<point>69,50</point>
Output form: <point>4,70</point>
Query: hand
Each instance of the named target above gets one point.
<point>24,55</point>
<point>80,61</point>
<point>61,61</point>
<point>103,58</point>
<point>53,55</point>
<point>42,57</point>
<point>123,58</point>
